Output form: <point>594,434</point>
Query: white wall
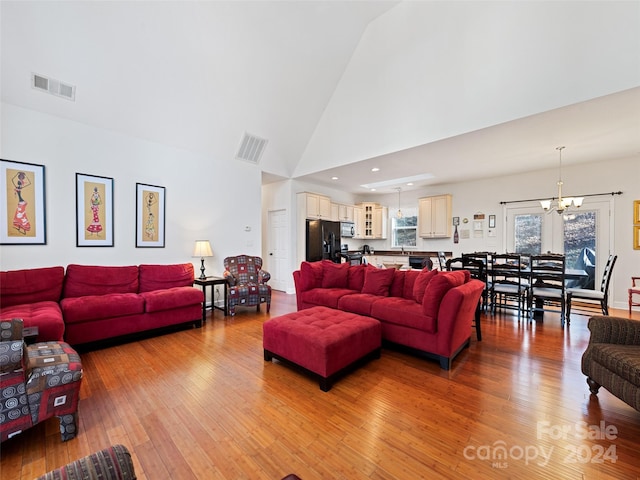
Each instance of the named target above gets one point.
<point>206,198</point>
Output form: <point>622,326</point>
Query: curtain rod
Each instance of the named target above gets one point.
<point>556,198</point>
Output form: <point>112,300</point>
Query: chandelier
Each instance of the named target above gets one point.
<point>399,212</point>
<point>562,203</point>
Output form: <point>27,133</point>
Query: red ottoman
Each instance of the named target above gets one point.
<point>323,341</point>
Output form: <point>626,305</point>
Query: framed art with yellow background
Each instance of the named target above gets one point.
<point>22,215</point>
<point>636,224</point>
<point>150,215</point>
<point>94,211</point>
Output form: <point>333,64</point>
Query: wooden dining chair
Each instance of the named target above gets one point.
<point>508,283</point>
<point>589,297</point>
<point>547,285</point>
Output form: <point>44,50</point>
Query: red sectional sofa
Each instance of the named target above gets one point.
<point>430,312</point>
<point>91,303</point>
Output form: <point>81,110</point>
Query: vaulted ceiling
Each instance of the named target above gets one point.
<point>444,90</point>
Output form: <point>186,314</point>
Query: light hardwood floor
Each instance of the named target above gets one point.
<point>202,403</point>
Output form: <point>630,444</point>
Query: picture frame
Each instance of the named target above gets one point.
<point>636,212</point>
<point>150,216</point>
<point>94,211</point>
<point>492,221</point>
<point>23,218</point>
<point>636,237</point>
<point>456,221</point>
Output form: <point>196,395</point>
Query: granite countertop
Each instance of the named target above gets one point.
<point>407,253</point>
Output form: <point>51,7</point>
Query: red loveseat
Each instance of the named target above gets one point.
<point>430,312</point>
<point>101,302</point>
<point>34,295</point>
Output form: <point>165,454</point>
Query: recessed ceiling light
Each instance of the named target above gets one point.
<point>375,169</point>
<point>373,189</point>
<point>334,178</point>
<point>410,184</point>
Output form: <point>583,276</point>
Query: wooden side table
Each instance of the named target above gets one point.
<point>212,282</point>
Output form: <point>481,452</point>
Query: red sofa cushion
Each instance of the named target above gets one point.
<point>94,307</point>
<point>359,303</point>
<point>31,286</point>
<point>410,277</point>
<point>378,280</point>
<point>325,297</point>
<point>168,298</point>
<point>397,285</point>
<point>402,311</point>
<point>310,275</point>
<point>422,281</point>
<point>335,275</point>
<point>47,316</point>
<point>356,277</point>
<point>83,280</point>
<point>157,277</point>
<point>438,287</point>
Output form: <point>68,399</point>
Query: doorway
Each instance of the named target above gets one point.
<point>278,248</point>
<point>575,233</point>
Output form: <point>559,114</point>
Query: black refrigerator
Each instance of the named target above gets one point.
<point>323,241</point>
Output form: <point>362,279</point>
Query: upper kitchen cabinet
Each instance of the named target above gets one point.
<point>434,216</point>
<point>316,206</point>
<point>374,220</point>
<point>342,213</point>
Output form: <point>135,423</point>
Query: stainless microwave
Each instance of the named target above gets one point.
<point>347,229</point>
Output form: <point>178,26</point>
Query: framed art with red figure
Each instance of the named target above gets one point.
<point>94,211</point>
<point>22,216</point>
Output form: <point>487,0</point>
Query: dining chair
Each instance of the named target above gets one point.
<point>589,297</point>
<point>547,285</point>
<point>508,283</point>
<point>471,259</point>
<point>442,261</point>
<point>476,270</point>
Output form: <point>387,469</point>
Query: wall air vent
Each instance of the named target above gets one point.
<point>251,148</point>
<point>54,87</point>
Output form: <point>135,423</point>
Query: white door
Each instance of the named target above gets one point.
<point>277,251</point>
<point>531,230</point>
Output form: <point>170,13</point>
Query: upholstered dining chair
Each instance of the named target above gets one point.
<point>247,283</point>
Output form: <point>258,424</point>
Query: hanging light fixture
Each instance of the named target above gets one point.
<point>399,212</point>
<point>562,203</point>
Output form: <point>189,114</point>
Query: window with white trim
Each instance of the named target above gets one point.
<point>404,231</point>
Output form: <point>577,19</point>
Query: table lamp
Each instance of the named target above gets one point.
<point>202,249</point>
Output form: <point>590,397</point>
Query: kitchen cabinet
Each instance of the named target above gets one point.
<point>316,206</point>
<point>434,216</point>
<point>380,216</point>
<point>374,220</point>
<point>358,221</point>
<point>346,213</point>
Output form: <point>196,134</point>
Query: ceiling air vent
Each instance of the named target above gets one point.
<point>251,148</point>
<point>54,87</point>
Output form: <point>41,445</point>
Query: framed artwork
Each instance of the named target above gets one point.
<point>636,212</point>
<point>22,219</point>
<point>492,221</point>
<point>456,221</point>
<point>94,211</point>
<point>150,215</point>
<point>636,237</point>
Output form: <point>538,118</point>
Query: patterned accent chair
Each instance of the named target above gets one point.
<point>37,382</point>
<point>247,283</point>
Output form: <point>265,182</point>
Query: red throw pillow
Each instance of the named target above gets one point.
<point>378,280</point>
<point>310,275</point>
<point>437,289</point>
<point>356,277</point>
<point>335,275</point>
<point>420,285</point>
<point>397,286</point>
<point>409,281</point>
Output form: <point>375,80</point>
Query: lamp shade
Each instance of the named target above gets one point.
<point>202,249</point>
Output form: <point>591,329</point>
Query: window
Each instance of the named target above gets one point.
<point>528,234</point>
<point>404,231</point>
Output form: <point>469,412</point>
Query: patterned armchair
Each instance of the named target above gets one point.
<point>247,283</point>
<point>37,382</point>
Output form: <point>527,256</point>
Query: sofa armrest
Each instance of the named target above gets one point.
<point>617,330</point>
<point>263,276</point>
<point>113,463</point>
